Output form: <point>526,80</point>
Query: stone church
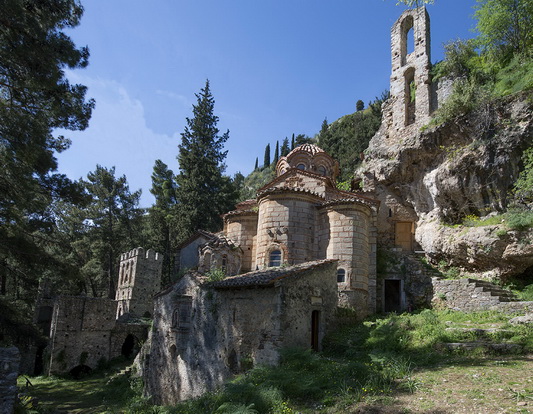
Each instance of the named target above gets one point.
<point>299,217</point>
<point>294,254</point>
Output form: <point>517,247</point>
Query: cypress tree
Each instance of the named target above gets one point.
<point>276,154</point>
<point>285,147</point>
<point>292,142</point>
<point>266,162</point>
<point>203,192</point>
<point>256,163</point>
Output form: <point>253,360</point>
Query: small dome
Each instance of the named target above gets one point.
<point>309,157</point>
<point>310,148</point>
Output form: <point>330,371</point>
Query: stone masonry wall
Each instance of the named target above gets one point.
<point>139,281</point>
<point>316,290</point>
<point>411,66</point>
<point>81,331</point>
<point>9,369</point>
<point>462,294</point>
<point>349,241</point>
<point>226,330</point>
<point>242,229</point>
<point>287,223</point>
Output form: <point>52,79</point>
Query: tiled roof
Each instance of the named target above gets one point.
<point>279,190</point>
<point>267,277</point>
<point>310,148</point>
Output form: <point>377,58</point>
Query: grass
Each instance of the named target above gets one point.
<point>382,362</point>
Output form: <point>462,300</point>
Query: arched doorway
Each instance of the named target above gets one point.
<point>129,347</point>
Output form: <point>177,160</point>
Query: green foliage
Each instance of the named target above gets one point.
<point>361,361</point>
<point>203,193</point>
<point>35,100</point>
<point>266,158</point>
<point>255,180</point>
<point>163,217</point>
<point>276,154</point>
<point>347,138</point>
<point>216,275</point>
<point>523,187</point>
<point>519,219</point>
<point>285,149</point>
<point>505,27</point>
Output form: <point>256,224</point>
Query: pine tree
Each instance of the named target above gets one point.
<point>114,216</point>
<point>266,161</point>
<point>276,154</point>
<point>203,192</point>
<point>359,105</point>
<point>35,99</point>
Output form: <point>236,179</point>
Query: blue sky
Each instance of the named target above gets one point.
<point>275,67</point>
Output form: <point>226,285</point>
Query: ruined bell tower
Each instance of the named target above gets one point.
<point>410,83</point>
<point>139,280</point>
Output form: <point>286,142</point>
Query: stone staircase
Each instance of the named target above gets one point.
<point>491,290</point>
<point>471,294</point>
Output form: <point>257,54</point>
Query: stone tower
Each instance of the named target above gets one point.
<point>410,84</point>
<point>139,280</point>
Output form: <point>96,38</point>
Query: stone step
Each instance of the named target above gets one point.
<point>469,346</point>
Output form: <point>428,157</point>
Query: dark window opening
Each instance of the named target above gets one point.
<point>410,97</point>
<point>275,258</point>
<point>341,276</point>
<point>301,166</point>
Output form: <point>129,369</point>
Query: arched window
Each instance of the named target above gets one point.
<point>301,166</point>
<point>207,261</point>
<point>321,170</point>
<point>224,262</point>
<point>341,275</point>
<point>274,258</point>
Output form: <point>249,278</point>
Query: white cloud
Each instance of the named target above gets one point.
<point>118,136</point>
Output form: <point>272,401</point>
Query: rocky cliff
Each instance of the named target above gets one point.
<point>437,176</point>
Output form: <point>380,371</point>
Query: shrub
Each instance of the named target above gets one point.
<point>216,275</point>
<point>519,219</point>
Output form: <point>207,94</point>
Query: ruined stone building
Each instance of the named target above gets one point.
<point>86,331</point>
<point>205,332</point>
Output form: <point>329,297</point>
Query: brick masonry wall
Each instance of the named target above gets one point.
<point>9,369</point>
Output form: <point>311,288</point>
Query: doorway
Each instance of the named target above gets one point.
<point>403,235</point>
<point>315,328</point>
<point>392,296</point>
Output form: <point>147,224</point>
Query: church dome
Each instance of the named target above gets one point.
<point>310,158</point>
<point>309,148</point>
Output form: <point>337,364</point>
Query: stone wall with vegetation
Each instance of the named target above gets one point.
<point>9,369</point>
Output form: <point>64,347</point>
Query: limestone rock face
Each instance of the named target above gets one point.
<point>435,176</point>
